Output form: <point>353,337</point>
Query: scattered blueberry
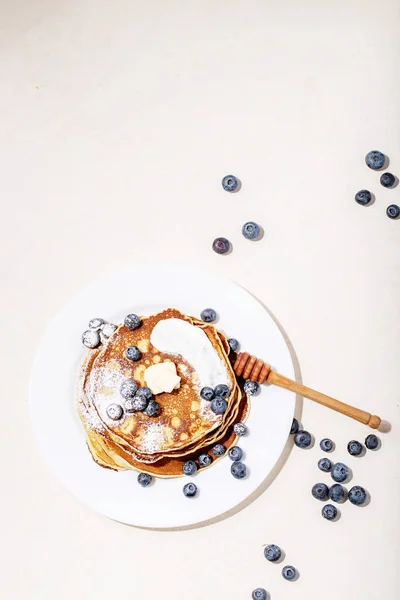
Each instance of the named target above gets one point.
<point>132,353</point>
<point>320,491</point>
<point>251,387</point>
<point>375,159</point>
<point>302,439</point>
<point>189,467</point>
<point>233,344</point>
<point>324,464</point>
<point>114,411</point>
<point>235,453</point>
<point>240,429</point>
<point>221,390</point>
<point>230,183</point>
<point>371,442</point>
<point>221,245</point>
<point>289,573</point>
<point>208,315</point>
<point>152,408</point>
<point>190,490</point>
<point>326,445</point>
<point>132,322</point>
<point>388,180</point>
<point>90,338</point>
<point>218,405</point>
<point>218,450</point>
<point>339,472</point>
<point>137,403</point>
<point>357,495</point>
<point>336,492</point>
<point>106,331</point>
<point>128,389</point>
<point>354,448</point>
<point>144,479</point>
<point>363,197</point>
<point>329,512</point>
<point>251,230</point>
<point>295,426</point>
<point>204,460</point>
<point>238,470</point>
<point>393,211</point>
<point>96,323</point>
<point>259,594</point>
<point>207,393</point>
<point>272,552</point>
<point>144,392</point>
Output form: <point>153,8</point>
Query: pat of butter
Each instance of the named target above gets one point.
<point>162,377</point>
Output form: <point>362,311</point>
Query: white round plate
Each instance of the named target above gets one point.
<point>146,290</point>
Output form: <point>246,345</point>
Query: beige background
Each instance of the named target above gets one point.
<point>117,122</point>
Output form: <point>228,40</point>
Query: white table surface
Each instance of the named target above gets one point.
<point>117,122</point>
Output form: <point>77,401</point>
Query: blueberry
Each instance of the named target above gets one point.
<point>132,322</point>
<point>326,445</point>
<point>190,490</point>
<point>302,439</point>
<point>137,403</point>
<point>251,387</point>
<point>90,338</point>
<point>132,353</point>
<point>324,464</point>
<point>114,411</point>
<point>189,467</point>
<point>207,393</point>
<point>272,552</point>
<point>354,448</point>
<point>221,245</point>
<point>221,390</point>
<point>363,197</point>
<point>372,442</point>
<point>320,491</point>
<point>251,230</point>
<point>289,573</point>
<point>388,180</point>
<point>96,323</point>
<point>357,495</point>
<point>259,594</point>
<point>218,405</point>
<point>240,429</point>
<point>144,479</point>
<point>230,183</point>
<point>336,492</point>
<point>393,211</point>
<point>238,470</point>
<point>144,392</point>
<point>339,472</point>
<point>204,460</point>
<point>295,426</point>
<point>208,315</point>
<point>218,450</point>
<point>152,408</point>
<point>375,159</point>
<point>329,512</point>
<point>128,389</point>
<point>107,330</point>
<point>235,453</point>
<point>233,344</point>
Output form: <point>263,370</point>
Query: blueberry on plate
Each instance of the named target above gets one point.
<point>96,323</point>
<point>132,322</point>
<point>272,552</point>
<point>251,230</point>
<point>336,492</point>
<point>357,495</point>
<point>259,594</point>
<point>324,464</point>
<point>189,467</point>
<point>128,389</point>
<point>372,441</point>
<point>339,472</point>
<point>320,491</point>
<point>238,470</point>
<point>207,393</point>
<point>393,211</point>
<point>133,353</point>
<point>221,390</point>
<point>221,245</point>
<point>375,159</point>
<point>295,426</point>
<point>218,405</point>
<point>114,411</point>
<point>240,429</point>
<point>302,439</point>
<point>329,512</point>
<point>289,573</point>
<point>152,408</point>
<point>233,344</point>
<point>144,392</point>
<point>190,490</point>
<point>354,448</point>
<point>326,445</point>
<point>363,197</point>
<point>208,315</point>
<point>235,453</point>
<point>388,180</point>
<point>230,183</point>
<point>251,387</point>
<point>90,338</point>
<point>218,450</point>
<point>204,460</point>
<point>144,479</point>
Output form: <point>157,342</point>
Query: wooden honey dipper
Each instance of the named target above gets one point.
<point>255,369</point>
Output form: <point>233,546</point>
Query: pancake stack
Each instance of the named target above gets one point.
<point>184,426</point>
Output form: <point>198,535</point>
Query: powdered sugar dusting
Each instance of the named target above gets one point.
<point>151,441</point>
